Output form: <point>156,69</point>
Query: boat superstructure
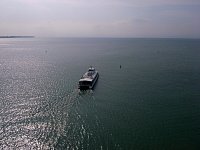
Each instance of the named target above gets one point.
<point>88,79</point>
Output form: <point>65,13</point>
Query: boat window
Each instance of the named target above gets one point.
<point>85,83</point>
<point>91,69</point>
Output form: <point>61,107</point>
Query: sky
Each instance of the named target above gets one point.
<point>101,18</point>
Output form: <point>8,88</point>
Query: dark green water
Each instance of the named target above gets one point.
<point>152,102</point>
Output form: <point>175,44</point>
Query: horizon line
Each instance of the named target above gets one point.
<point>97,37</point>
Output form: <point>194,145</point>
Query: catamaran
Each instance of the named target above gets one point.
<point>88,79</point>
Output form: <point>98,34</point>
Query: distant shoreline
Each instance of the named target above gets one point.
<point>16,36</point>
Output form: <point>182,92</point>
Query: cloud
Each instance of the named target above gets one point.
<point>100,17</point>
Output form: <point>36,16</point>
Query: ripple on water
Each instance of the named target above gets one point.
<point>41,113</point>
<point>32,113</point>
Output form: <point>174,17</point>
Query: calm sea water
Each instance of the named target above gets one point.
<point>152,102</point>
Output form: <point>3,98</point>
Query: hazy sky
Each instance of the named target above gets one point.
<point>101,18</point>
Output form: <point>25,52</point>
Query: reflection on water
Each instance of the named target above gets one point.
<point>40,111</point>
<point>37,112</point>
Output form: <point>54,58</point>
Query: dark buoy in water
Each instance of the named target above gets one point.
<point>120,66</point>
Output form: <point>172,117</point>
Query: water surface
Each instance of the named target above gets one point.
<point>152,102</point>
